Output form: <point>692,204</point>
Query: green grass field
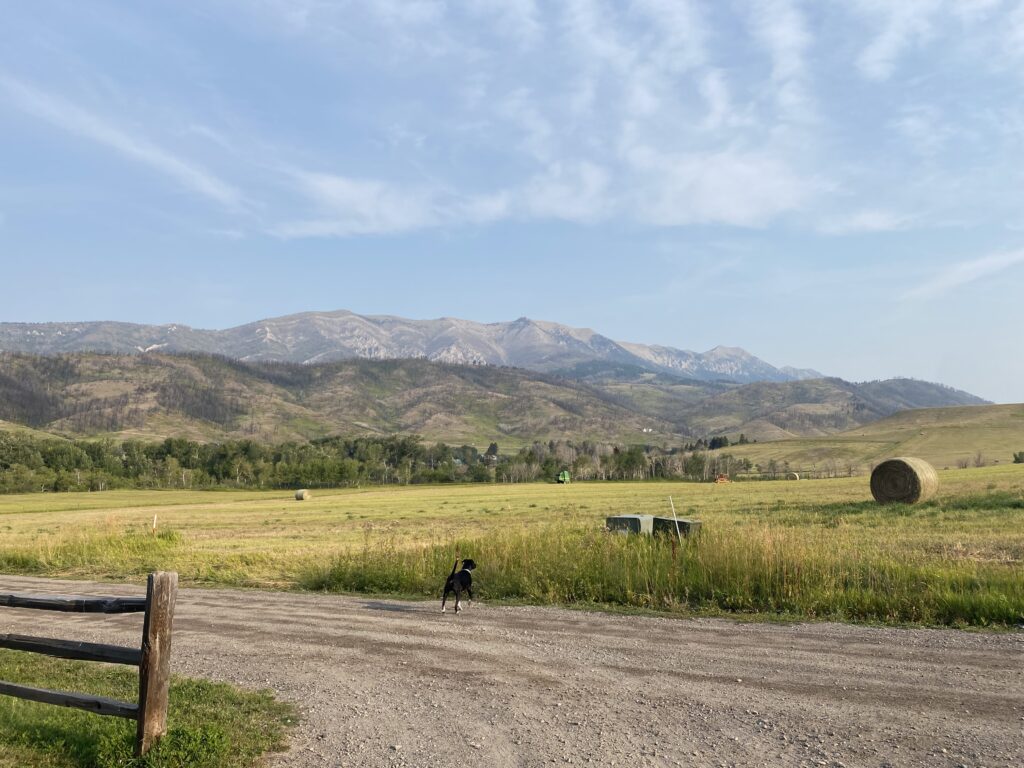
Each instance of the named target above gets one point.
<point>943,436</point>
<point>210,725</point>
<point>818,548</point>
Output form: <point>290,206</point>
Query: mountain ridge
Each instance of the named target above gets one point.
<point>315,337</point>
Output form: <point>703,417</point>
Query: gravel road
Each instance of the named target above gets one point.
<point>389,683</point>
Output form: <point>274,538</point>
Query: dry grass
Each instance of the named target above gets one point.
<point>808,547</point>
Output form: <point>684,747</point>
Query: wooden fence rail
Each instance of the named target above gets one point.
<point>153,658</point>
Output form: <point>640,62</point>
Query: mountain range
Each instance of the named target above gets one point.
<point>320,337</point>
<point>320,373</point>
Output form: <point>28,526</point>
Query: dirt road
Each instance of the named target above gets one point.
<point>388,683</point>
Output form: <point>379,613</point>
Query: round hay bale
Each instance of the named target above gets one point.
<point>793,476</point>
<point>904,479</point>
<point>302,495</point>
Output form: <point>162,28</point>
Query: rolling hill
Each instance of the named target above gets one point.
<point>212,398</point>
<point>946,437</point>
<point>765,410</point>
<point>203,397</point>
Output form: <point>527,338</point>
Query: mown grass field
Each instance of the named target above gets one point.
<point>811,548</point>
<point>943,436</point>
<point>210,725</point>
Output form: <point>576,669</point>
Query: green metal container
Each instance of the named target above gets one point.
<point>667,526</point>
<point>631,524</point>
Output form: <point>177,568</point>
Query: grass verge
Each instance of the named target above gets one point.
<point>211,725</point>
<point>773,570</point>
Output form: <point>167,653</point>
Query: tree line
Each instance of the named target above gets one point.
<point>31,463</point>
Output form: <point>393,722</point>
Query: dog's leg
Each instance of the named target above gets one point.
<point>469,591</point>
<point>458,600</point>
<point>444,599</point>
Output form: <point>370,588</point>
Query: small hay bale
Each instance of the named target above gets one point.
<point>302,495</point>
<point>793,476</point>
<point>904,479</point>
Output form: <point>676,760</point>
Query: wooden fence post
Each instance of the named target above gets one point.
<point>155,667</point>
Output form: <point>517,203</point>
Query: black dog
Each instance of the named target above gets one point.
<point>459,581</point>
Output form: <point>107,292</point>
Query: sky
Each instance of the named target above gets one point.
<point>831,185</point>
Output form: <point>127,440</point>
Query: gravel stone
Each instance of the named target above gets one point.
<point>379,681</point>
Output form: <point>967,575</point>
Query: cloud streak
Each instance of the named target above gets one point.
<point>79,121</point>
<point>958,275</point>
<point>904,24</point>
<point>350,207</point>
<point>869,221</point>
<point>781,29</point>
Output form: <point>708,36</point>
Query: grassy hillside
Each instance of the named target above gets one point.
<point>946,437</point>
<point>210,398</point>
<point>773,411</point>
<point>764,410</point>
<point>8,426</point>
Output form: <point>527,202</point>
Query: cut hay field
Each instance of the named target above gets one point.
<point>946,437</point>
<point>817,548</point>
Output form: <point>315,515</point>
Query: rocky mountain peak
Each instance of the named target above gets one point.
<point>341,334</point>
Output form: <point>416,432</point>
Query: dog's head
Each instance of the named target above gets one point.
<point>468,565</point>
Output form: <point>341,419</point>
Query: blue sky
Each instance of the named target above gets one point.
<point>835,185</point>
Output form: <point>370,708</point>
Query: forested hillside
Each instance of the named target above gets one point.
<point>210,398</point>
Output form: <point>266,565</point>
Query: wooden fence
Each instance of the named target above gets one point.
<point>153,659</point>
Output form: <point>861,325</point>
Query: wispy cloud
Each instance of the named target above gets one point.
<point>925,128</point>
<point>347,207</point>
<point>572,192</point>
<point>350,207</point>
<point>865,222</point>
<point>682,42</point>
<point>958,275</point>
<point>714,88</point>
<point>975,10</point>
<point>520,109</point>
<point>518,19</point>
<point>1016,29</point>
<point>739,188</point>
<point>903,24</point>
<point>781,28</point>
<point>79,121</point>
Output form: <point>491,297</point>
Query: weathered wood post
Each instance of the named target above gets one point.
<point>155,666</point>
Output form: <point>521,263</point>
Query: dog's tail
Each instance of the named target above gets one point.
<point>455,567</point>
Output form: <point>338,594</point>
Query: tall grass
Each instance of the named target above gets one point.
<point>125,552</point>
<point>820,549</point>
<point>754,569</point>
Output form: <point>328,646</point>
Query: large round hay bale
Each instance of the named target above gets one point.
<point>302,495</point>
<point>793,476</point>
<point>904,479</point>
